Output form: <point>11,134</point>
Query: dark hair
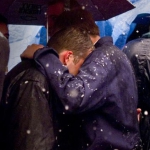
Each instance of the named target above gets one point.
<point>3,19</point>
<point>78,17</point>
<point>71,38</point>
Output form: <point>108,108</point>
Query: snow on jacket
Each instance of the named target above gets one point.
<point>103,94</point>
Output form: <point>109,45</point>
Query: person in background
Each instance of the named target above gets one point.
<point>55,8</point>
<point>138,52</point>
<point>4,50</point>
<point>4,53</point>
<point>4,26</point>
<point>102,92</point>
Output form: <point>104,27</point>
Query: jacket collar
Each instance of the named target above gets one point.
<point>103,40</point>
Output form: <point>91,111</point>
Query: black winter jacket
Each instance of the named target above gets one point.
<point>138,52</point>
<point>26,113</point>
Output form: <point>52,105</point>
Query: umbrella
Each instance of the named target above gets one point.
<point>24,12</point>
<point>32,12</point>
<point>106,9</point>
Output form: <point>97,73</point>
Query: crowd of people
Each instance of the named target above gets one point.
<point>80,92</point>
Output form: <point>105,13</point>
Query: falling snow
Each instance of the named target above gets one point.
<point>146,113</point>
<point>66,107</point>
<point>47,65</point>
<point>73,93</point>
<point>28,131</point>
<point>26,82</point>
<point>43,89</point>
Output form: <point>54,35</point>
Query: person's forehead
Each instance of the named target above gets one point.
<point>55,9</point>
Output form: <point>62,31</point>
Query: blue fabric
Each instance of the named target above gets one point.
<point>104,93</point>
<point>43,36</point>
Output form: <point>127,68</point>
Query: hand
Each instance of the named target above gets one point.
<point>138,113</point>
<point>30,50</point>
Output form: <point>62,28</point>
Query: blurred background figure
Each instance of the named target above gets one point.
<point>4,53</point>
<point>55,8</point>
<point>4,50</point>
<point>4,26</point>
<point>138,52</point>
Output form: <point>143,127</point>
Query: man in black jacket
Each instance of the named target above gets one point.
<point>27,119</point>
<point>4,53</point>
<point>4,26</point>
<point>138,52</point>
<point>23,123</point>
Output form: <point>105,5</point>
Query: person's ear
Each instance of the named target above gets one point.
<point>67,57</point>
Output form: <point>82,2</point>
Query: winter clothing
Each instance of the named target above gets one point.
<point>138,51</point>
<point>4,53</point>
<point>26,110</point>
<point>103,95</point>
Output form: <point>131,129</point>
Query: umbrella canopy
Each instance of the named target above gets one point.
<point>24,12</point>
<point>106,9</point>
<point>32,12</point>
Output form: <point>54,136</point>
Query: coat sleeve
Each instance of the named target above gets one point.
<point>75,92</point>
<point>29,122</point>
